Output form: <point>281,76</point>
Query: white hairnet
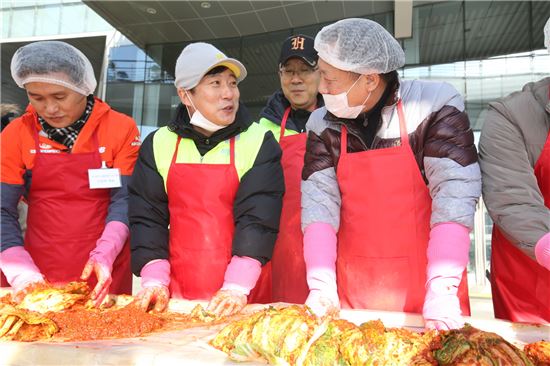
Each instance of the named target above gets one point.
<point>547,35</point>
<point>359,45</point>
<point>53,62</point>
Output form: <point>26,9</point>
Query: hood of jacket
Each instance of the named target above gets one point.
<point>541,92</point>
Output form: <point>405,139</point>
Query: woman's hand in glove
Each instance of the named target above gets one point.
<point>154,297</point>
<point>227,302</point>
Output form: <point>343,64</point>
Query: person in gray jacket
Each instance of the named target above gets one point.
<point>515,163</point>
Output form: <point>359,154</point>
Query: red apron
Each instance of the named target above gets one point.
<point>200,201</point>
<point>384,229</point>
<point>521,286</point>
<point>288,266</point>
<point>66,218</point>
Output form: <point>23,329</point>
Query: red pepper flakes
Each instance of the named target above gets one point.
<point>79,324</point>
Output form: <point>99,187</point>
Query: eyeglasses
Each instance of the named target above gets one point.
<point>302,73</point>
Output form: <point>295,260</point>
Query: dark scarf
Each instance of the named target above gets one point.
<point>67,135</point>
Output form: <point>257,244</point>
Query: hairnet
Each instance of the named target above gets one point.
<point>547,35</point>
<point>53,62</point>
<point>359,45</point>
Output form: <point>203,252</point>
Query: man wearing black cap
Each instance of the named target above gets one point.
<point>286,114</point>
<point>299,81</point>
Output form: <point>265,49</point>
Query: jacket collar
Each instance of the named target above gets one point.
<point>100,108</point>
<point>277,105</point>
<point>181,126</point>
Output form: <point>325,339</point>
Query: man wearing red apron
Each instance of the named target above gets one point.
<point>515,162</point>
<point>206,194</point>
<point>388,197</point>
<point>79,154</point>
<point>286,114</point>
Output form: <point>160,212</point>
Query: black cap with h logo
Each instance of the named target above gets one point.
<point>300,46</point>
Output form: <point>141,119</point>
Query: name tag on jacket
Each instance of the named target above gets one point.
<point>104,177</point>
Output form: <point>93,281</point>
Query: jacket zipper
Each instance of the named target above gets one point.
<point>354,134</point>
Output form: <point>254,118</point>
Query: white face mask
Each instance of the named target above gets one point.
<point>197,119</point>
<point>338,104</point>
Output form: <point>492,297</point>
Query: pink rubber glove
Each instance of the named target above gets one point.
<point>20,270</point>
<point>320,258</point>
<point>447,258</point>
<point>542,251</point>
<point>155,279</point>
<point>241,276</point>
<point>101,259</point>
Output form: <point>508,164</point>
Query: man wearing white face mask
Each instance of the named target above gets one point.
<point>338,104</point>
<point>390,183</point>
<point>206,194</point>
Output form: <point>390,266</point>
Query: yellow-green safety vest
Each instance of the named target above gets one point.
<point>247,146</point>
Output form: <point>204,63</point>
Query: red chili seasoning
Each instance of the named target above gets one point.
<point>79,324</point>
